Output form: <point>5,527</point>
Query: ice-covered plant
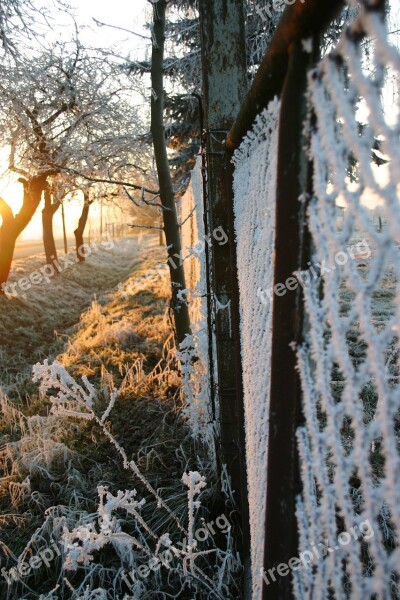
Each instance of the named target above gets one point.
<point>72,400</point>
<point>119,524</point>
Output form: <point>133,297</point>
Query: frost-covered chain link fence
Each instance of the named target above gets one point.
<point>254,193</point>
<point>195,374</point>
<point>350,443</point>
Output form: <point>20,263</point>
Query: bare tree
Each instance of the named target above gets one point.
<point>12,226</point>
<point>83,219</point>
<point>57,190</point>
<point>171,224</point>
<point>62,111</point>
<point>51,204</point>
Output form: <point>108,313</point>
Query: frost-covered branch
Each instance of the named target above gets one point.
<point>72,400</point>
<point>82,542</point>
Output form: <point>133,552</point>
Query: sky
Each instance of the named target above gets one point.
<point>129,14</point>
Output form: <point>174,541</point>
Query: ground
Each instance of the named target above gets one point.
<point>107,319</point>
<point>46,311</point>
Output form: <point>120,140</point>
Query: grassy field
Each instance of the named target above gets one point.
<point>107,319</point>
<point>32,322</point>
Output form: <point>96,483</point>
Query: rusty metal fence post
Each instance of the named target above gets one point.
<point>283,485</point>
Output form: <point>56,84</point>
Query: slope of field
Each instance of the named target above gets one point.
<point>114,329</point>
<point>32,322</point>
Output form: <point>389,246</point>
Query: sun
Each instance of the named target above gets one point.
<point>10,189</point>
<point>11,192</point>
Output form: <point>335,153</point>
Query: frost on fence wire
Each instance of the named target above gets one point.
<point>254,205</point>
<point>350,444</point>
<point>195,374</point>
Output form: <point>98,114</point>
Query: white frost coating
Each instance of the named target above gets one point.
<point>349,446</point>
<point>196,378</point>
<point>254,192</point>
<point>85,535</point>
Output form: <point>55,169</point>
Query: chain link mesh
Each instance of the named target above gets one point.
<point>349,512</point>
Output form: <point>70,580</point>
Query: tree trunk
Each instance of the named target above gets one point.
<point>223,49</point>
<point>79,231</point>
<point>7,241</point>
<point>171,225</point>
<point>47,220</point>
<point>13,226</point>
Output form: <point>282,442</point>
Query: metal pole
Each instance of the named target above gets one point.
<point>283,480</point>
<point>64,229</point>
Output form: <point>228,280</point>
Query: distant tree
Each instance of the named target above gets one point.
<point>83,219</point>
<point>63,111</point>
<point>56,190</point>
<point>167,196</point>
<point>51,204</point>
